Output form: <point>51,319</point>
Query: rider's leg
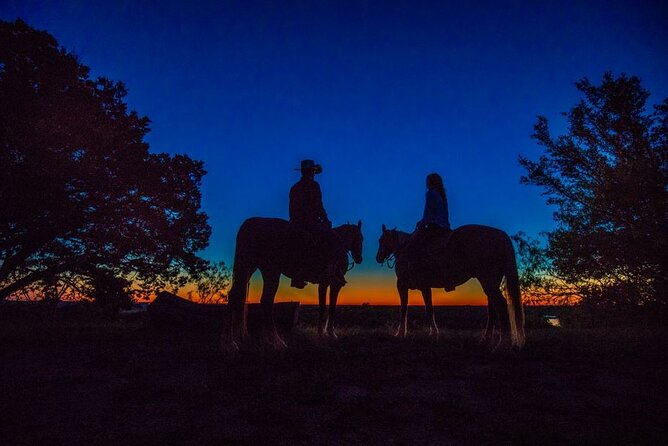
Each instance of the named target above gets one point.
<point>305,249</point>
<point>338,260</point>
<point>336,273</point>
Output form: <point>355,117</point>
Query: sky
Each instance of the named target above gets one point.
<point>381,93</point>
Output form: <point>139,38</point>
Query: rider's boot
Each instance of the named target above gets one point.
<point>336,275</point>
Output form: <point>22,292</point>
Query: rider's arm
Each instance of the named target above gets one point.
<point>294,205</point>
<point>320,209</point>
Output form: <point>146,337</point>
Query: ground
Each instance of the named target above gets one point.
<point>123,382</point>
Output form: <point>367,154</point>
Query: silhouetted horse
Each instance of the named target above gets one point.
<point>472,251</point>
<point>272,246</point>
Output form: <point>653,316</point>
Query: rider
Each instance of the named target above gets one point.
<point>435,223</point>
<point>435,216</point>
<point>308,213</point>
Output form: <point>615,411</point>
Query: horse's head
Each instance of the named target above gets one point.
<point>352,238</point>
<point>387,244</point>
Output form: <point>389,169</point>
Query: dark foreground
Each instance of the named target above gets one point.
<point>122,383</point>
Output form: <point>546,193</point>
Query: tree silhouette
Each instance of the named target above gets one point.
<point>79,191</point>
<point>608,178</point>
<point>212,284</point>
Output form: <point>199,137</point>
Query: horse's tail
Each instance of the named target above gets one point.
<point>241,273</point>
<point>515,309</point>
<point>240,277</point>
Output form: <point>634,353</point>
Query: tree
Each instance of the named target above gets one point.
<point>80,194</point>
<point>608,178</point>
<point>212,284</point>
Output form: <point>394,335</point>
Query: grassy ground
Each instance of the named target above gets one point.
<point>125,383</point>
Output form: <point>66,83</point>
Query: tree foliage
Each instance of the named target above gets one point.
<point>608,178</point>
<point>212,284</point>
<point>80,194</point>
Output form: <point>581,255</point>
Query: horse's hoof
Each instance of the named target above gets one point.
<point>501,345</point>
<point>332,335</point>
<point>228,347</point>
<point>486,339</point>
<point>241,336</point>
<point>280,345</point>
<point>434,333</point>
<point>276,343</point>
<point>505,345</point>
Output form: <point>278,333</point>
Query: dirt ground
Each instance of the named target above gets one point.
<point>124,383</point>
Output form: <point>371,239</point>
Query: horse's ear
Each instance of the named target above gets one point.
<point>384,229</point>
<point>359,224</point>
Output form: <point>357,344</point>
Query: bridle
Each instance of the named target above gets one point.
<point>351,261</point>
<point>390,260</point>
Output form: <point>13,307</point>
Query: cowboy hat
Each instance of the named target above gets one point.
<point>310,165</point>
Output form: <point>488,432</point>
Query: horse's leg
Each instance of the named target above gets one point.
<point>333,296</point>
<point>501,321</point>
<point>403,315</point>
<point>491,321</point>
<point>234,327</point>
<point>227,341</point>
<point>503,317</point>
<point>241,326</point>
<point>269,288</point>
<point>322,314</point>
<point>429,307</point>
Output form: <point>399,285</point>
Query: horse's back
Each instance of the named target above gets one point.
<point>478,247</point>
<point>473,235</point>
<point>477,230</point>
<point>263,224</point>
<point>262,232</point>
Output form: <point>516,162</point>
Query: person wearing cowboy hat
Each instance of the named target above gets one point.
<point>306,199</point>
<point>308,214</point>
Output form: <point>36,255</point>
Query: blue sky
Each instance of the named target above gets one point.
<point>380,93</point>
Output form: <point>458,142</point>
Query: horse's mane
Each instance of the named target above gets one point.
<point>402,237</point>
<point>345,229</point>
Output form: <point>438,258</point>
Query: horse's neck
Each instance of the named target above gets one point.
<point>402,239</point>
<point>345,232</point>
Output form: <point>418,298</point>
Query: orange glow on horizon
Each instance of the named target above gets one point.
<point>371,289</point>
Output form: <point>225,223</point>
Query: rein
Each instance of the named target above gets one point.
<point>391,260</point>
<point>351,262</point>
<point>345,239</point>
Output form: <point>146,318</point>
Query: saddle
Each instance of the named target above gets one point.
<point>430,260</point>
<point>313,252</point>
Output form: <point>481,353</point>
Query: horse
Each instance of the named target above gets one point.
<point>471,251</point>
<point>270,245</point>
